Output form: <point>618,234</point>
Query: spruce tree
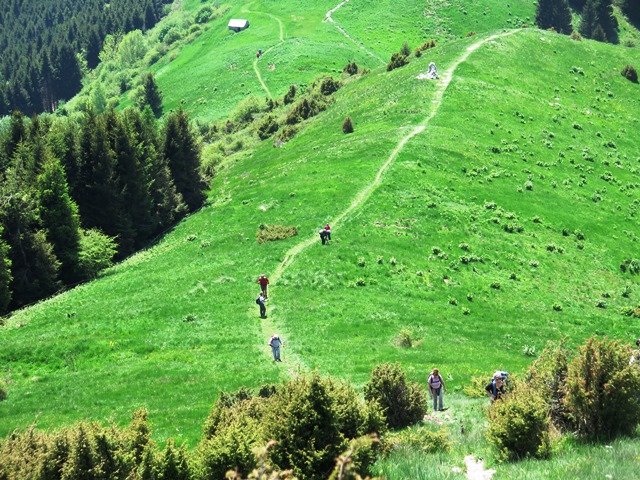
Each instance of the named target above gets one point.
<point>181,151</point>
<point>590,19</point>
<point>152,95</point>
<point>34,266</point>
<point>97,195</point>
<point>631,8</point>
<point>167,204</point>
<point>132,178</point>
<point>59,217</point>
<point>5,274</point>
<point>554,14</point>
<point>608,21</point>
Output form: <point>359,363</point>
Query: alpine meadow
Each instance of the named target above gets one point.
<point>485,220</point>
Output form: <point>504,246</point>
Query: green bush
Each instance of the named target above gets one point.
<point>422,438</point>
<point>351,68</point>
<point>204,14</point>
<point>548,375</point>
<point>286,134</point>
<point>602,390</point>
<point>290,95</point>
<point>267,127</point>
<point>231,447</point>
<point>403,403</point>
<point>397,60</point>
<point>271,233</point>
<point>629,72</point>
<point>305,108</point>
<point>245,110</point>
<point>329,85</point>
<point>96,252</point>
<point>303,420</point>
<point>519,424</point>
<point>347,125</point>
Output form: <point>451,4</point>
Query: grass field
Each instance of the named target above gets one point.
<point>498,227</point>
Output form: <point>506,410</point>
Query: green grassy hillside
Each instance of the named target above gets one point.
<point>500,223</point>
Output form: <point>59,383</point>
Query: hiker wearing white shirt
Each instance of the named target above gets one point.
<point>436,389</point>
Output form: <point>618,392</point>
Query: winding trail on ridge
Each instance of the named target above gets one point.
<point>329,18</point>
<point>268,327</point>
<point>255,62</point>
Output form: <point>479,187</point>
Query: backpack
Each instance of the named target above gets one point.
<point>258,301</point>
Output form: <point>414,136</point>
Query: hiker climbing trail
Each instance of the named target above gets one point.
<point>268,327</point>
<point>329,18</point>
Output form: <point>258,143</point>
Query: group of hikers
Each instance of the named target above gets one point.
<point>436,387</point>
<point>263,280</point>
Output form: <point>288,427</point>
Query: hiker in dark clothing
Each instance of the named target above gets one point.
<point>323,236</point>
<point>495,388</point>
<point>263,308</point>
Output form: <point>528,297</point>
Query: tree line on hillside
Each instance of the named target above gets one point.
<point>598,21</point>
<point>47,44</point>
<point>75,192</point>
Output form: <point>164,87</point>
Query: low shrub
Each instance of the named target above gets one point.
<point>519,424</point>
<point>290,95</point>
<point>397,60</point>
<point>286,134</point>
<point>351,68</point>
<point>305,108</point>
<point>630,73</point>
<point>422,438</point>
<point>204,14</point>
<point>271,233</point>
<point>547,375</point>
<point>347,125</point>
<point>329,85</point>
<point>267,127</point>
<point>403,402</point>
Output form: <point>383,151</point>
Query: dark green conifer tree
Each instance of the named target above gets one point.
<point>152,95</point>
<point>59,217</point>
<point>34,266</point>
<point>17,133</point>
<point>97,195</point>
<point>554,14</point>
<point>5,274</point>
<point>167,204</point>
<point>608,20</point>
<point>133,181</point>
<point>181,151</point>
<point>631,8</point>
<point>590,19</point>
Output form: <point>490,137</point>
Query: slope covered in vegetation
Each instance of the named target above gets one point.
<point>478,216</point>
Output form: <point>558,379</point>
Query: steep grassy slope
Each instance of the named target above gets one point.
<point>169,327</point>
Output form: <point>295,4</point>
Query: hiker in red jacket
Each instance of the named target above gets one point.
<point>264,282</point>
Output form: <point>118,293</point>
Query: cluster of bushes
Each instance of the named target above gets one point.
<point>594,394</point>
<point>425,46</point>
<point>271,233</point>
<point>309,427</point>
